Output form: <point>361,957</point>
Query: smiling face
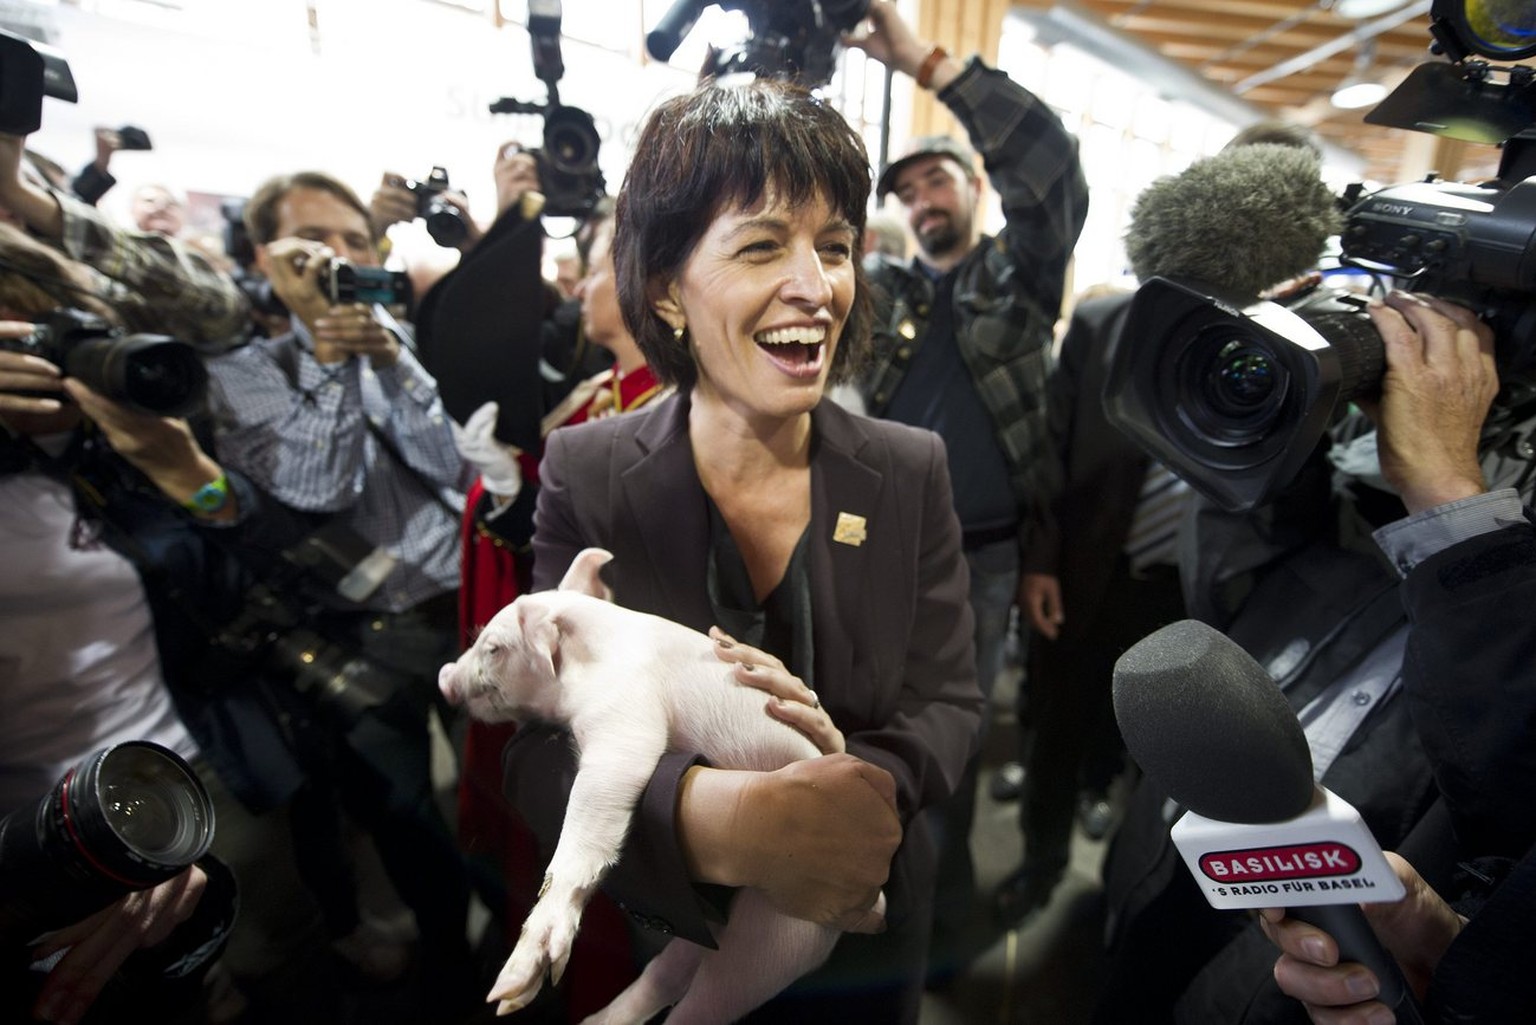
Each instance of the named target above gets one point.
<point>764,298</point>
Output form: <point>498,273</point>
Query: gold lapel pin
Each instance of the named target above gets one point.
<point>849,530</point>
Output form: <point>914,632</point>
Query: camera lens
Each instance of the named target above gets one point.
<point>444,223</point>
<point>1231,386</point>
<point>571,140</point>
<point>146,803</point>
<point>126,818</point>
<point>1499,29</point>
<point>152,373</point>
<point>1242,380</point>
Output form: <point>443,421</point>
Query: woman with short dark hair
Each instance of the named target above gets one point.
<point>821,548</point>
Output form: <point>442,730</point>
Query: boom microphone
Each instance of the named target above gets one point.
<point>1245,219</point>
<point>1209,725</point>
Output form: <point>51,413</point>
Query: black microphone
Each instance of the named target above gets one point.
<point>1244,219</point>
<point>1205,722</point>
<point>663,40</point>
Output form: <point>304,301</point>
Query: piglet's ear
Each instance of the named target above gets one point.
<point>541,638</point>
<point>583,575</point>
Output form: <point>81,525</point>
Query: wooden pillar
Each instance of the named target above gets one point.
<point>963,27</point>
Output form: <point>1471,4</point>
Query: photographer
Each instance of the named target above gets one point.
<point>110,523</point>
<point>1387,590</point>
<point>191,298</point>
<point>337,421</point>
<point>962,344</point>
<point>399,199</point>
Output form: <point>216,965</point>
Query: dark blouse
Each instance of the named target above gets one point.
<point>781,625</point>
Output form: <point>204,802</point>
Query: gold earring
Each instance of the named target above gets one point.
<point>677,332</point>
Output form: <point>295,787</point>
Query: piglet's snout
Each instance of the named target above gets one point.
<point>448,681</point>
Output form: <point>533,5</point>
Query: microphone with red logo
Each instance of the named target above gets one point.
<point>1205,722</point>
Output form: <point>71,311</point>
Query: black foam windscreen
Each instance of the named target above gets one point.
<point>1205,722</point>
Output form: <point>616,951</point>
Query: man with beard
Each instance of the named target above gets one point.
<point>962,340</point>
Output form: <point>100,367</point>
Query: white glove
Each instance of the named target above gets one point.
<point>497,462</point>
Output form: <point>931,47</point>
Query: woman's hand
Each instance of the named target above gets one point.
<point>816,837</point>
<point>791,700</point>
<point>97,946</point>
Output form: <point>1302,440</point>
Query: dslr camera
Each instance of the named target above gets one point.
<point>568,171</point>
<point>279,621</point>
<point>1233,394</point>
<point>150,373</point>
<point>126,818</point>
<point>785,38</point>
<point>444,222</point>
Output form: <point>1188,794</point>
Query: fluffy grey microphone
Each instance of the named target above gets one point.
<point>1245,219</point>
<point>1208,724</point>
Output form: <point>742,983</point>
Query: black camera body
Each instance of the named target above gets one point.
<point>785,38</point>
<point>1234,394</point>
<point>279,622</point>
<point>569,175</point>
<point>151,373</point>
<point>28,72</point>
<point>444,222</point>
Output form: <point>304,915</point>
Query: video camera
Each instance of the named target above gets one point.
<point>342,281</point>
<point>785,38</point>
<point>444,222</point>
<point>568,171</point>
<point>151,373</point>
<point>28,72</point>
<point>1233,393</point>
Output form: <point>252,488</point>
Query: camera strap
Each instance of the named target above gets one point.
<point>287,357</point>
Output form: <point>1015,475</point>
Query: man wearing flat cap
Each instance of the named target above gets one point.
<point>963,332</point>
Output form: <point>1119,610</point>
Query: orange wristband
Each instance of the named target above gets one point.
<point>925,70</point>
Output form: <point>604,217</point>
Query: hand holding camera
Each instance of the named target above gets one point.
<point>1439,383</point>
<point>516,173</point>
<point>98,946</point>
<point>444,210</point>
<point>26,379</point>
<point>298,270</point>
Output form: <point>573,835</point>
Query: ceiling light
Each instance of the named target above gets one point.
<point>1353,95</point>
<point>1364,8</point>
<point>1359,89</point>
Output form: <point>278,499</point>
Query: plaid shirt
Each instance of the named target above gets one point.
<point>299,430</point>
<point>1007,291</point>
<point>166,282</point>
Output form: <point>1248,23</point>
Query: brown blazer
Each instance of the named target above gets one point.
<point>892,628</point>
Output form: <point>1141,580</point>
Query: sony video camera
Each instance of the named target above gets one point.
<point>785,38</point>
<point>444,222</point>
<point>569,174</point>
<point>151,373</point>
<point>1233,393</point>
